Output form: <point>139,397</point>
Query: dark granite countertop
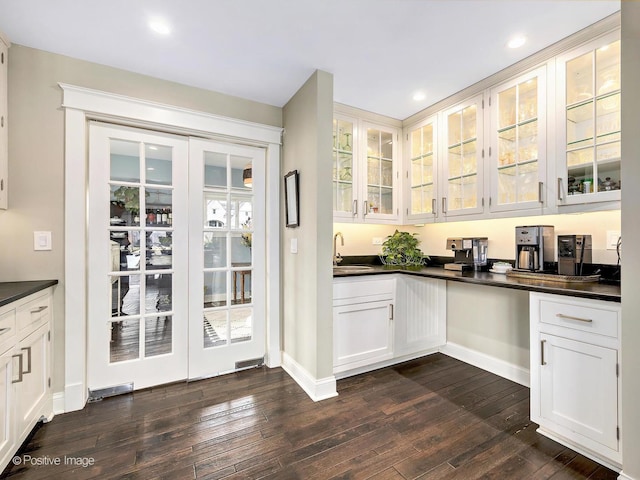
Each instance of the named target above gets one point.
<point>594,290</point>
<point>12,291</point>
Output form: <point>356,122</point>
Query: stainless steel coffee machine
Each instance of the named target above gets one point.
<point>468,253</point>
<point>534,247</point>
<point>573,252</point>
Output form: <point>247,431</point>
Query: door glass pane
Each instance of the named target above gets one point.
<point>507,108</point>
<point>158,168</point>
<point>241,249</point>
<point>158,249</point>
<point>386,142</point>
<point>455,161</point>
<point>386,200</point>
<point>124,206</point>
<point>469,158</point>
<point>124,161</point>
<point>386,173</point>
<point>528,100</point>
<point>241,212</point>
<point>158,336</point>
<point>454,132</point>
<point>608,68</point>
<point>507,185</point>
<point>216,209</point>
<point>580,123</point>
<point>241,324</point>
<point>241,173</point>
<point>507,146</point>
<point>215,328</point>
<point>125,250</point>
<point>416,200</point>
<point>241,283</point>
<point>125,295</point>
<point>373,171</point>
<point>580,79</point>
<point>608,118</point>
<point>343,197</point>
<point>528,141</point>
<point>215,250</point>
<point>158,206</point>
<point>125,340</point>
<point>528,182</point>
<point>469,123</point>
<point>158,293</point>
<point>469,191</point>
<point>215,289</point>
<point>215,169</point>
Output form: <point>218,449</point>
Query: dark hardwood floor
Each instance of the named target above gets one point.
<point>432,418</point>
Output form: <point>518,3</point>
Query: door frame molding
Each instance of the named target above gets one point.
<point>81,105</point>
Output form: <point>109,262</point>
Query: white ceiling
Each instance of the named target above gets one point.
<point>380,51</point>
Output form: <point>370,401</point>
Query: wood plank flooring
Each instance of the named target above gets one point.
<point>432,418</point>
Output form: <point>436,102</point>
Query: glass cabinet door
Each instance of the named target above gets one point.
<point>592,122</point>
<point>344,197</point>
<point>380,172</point>
<point>462,179</point>
<point>422,171</point>
<point>518,142</point>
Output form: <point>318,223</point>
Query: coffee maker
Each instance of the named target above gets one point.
<point>534,247</point>
<point>573,252</point>
<point>468,253</point>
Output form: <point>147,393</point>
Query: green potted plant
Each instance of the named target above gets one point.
<point>401,250</point>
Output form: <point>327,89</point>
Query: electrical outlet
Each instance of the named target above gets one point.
<point>376,241</point>
<point>612,239</point>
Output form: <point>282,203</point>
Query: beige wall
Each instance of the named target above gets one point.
<point>36,164</point>
<point>501,234</point>
<point>630,425</point>
<point>497,325</point>
<point>307,277</point>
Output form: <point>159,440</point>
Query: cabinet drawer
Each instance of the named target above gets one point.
<point>594,319</point>
<point>7,329</point>
<point>34,313</point>
<point>363,288</point>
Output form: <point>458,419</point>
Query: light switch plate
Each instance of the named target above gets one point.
<point>376,241</point>
<point>42,240</point>
<point>612,239</point>
<point>294,245</point>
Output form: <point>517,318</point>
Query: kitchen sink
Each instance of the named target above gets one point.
<point>352,268</point>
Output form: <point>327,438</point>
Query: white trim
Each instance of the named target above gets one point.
<point>317,389</point>
<point>80,105</point>
<point>386,363</point>
<point>192,121</point>
<point>624,476</point>
<point>579,448</point>
<point>491,364</point>
<point>58,403</point>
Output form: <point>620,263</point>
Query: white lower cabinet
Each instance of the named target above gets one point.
<point>575,365</point>
<point>25,369</point>
<point>384,319</point>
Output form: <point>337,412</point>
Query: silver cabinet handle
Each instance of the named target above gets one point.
<point>560,188</point>
<point>39,309</point>
<point>4,330</point>
<point>391,311</point>
<point>540,186</point>
<point>28,350</point>
<point>569,317</point>
<point>444,204</point>
<point>354,209</point>
<point>542,360</point>
<point>433,206</point>
<point>19,357</point>
<point>365,205</point>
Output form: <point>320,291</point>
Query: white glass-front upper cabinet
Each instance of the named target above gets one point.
<point>422,172</point>
<point>365,171</point>
<point>589,144</point>
<point>517,152</point>
<point>462,172</point>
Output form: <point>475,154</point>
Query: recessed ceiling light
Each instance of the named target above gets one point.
<point>419,96</point>
<point>517,41</point>
<point>160,26</point>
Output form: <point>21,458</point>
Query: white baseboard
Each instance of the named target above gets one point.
<point>317,389</point>
<point>58,403</point>
<point>75,397</point>
<point>486,362</point>
<point>387,363</point>
<point>623,476</point>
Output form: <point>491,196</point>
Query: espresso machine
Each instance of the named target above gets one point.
<point>573,252</point>
<point>468,253</point>
<point>534,248</point>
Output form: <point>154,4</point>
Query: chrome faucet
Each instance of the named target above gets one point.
<point>337,258</point>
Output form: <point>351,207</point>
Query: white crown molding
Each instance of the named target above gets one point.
<point>96,104</point>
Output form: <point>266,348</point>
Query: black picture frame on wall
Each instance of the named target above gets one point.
<point>292,198</point>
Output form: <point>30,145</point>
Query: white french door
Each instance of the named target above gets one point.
<point>175,256</point>
<point>226,257</point>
